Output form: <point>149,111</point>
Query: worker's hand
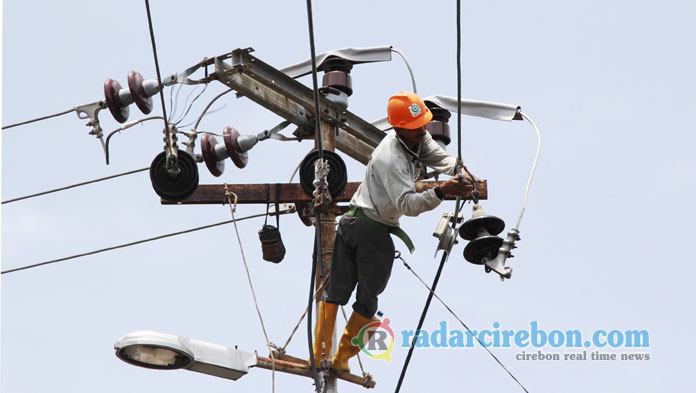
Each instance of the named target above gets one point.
<point>465,176</point>
<point>454,186</point>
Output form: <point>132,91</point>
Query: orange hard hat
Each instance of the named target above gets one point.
<point>407,110</point>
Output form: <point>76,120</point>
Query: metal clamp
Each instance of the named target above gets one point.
<point>497,264</point>
<point>91,112</point>
<point>446,233</point>
<point>322,197</point>
<point>171,149</point>
<point>274,133</point>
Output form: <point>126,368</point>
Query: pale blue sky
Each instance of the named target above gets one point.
<point>605,240</point>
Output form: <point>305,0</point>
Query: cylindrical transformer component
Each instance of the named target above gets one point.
<point>339,80</point>
<point>337,74</point>
<point>440,131</point>
<point>438,127</point>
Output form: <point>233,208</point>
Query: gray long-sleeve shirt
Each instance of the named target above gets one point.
<point>388,191</point>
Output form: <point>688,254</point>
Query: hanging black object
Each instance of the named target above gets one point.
<point>337,178</point>
<point>271,242</point>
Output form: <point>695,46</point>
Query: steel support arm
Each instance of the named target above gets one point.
<point>294,101</point>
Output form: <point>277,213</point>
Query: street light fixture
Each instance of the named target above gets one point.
<point>162,351</point>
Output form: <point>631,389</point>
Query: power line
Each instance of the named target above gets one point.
<point>154,53</point>
<point>317,233</point>
<point>459,82</point>
<point>75,185</point>
<point>143,241</point>
<point>445,255</point>
<point>38,119</point>
<point>432,292</point>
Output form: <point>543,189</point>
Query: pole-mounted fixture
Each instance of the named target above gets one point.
<point>162,351</point>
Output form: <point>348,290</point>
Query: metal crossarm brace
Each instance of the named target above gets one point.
<point>289,193</point>
<point>294,101</point>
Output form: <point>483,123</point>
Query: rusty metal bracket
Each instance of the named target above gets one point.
<point>294,101</point>
<point>293,193</point>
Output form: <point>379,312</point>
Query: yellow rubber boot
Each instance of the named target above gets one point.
<point>323,331</point>
<point>346,349</point>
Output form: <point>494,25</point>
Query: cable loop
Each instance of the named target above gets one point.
<point>228,195</point>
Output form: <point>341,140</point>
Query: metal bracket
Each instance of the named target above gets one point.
<point>322,197</point>
<point>91,112</point>
<point>191,145</point>
<point>274,133</point>
<point>446,233</point>
<point>294,101</point>
<point>497,264</point>
<point>172,150</point>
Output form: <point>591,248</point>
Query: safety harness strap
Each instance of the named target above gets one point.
<point>396,231</point>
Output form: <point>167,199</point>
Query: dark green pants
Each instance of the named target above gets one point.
<point>363,256</point>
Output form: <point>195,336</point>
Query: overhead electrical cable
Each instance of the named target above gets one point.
<point>408,65</point>
<point>144,241</point>
<point>188,105</point>
<point>460,321</point>
<point>207,107</point>
<point>446,253</point>
<point>39,119</point>
<point>154,53</point>
<point>174,102</point>
<point>233,207</point>
<point>124,127</point>
<point>216,110</point>
<point>445,256</point>
<point>75,185</point>
<point>317,235</point>
<point>317,294</point>
<point>531,174</point>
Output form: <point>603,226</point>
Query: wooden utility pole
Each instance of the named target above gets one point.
<point>327,221</point>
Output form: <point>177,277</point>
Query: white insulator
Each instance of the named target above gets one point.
<point>246,142</point>
<point>150,87</point>
<point>221,151</point>
<point>125,96</point>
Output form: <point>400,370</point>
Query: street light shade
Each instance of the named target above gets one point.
<point>153,350</point>
<point>162,351</point>
<point>153,357</point>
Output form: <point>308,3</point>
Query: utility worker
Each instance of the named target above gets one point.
<point>363,250</point>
